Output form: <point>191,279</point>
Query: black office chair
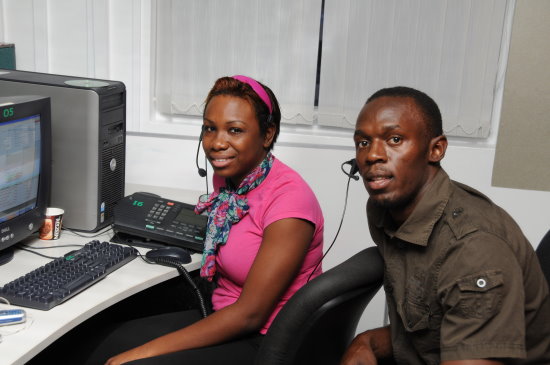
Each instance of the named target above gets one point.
<point>317,324</point>
<point>543,253</point>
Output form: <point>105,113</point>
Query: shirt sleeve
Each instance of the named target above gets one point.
<point>482,294</point>
<point>292,198</point>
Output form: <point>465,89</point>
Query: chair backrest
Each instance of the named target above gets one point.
<point>317,324</point>
<point>543,253</point>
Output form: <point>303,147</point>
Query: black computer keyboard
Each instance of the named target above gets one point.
<point>66,276</point>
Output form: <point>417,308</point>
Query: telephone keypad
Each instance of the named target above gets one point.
<point>158,212</point>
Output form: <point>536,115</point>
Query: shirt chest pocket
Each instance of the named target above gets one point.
<point>418,312</point>
<point>415,316</point>
<point>421,326</point>
<point>419,317</point>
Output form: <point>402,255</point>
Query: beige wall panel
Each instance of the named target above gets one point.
<point>522,158</point>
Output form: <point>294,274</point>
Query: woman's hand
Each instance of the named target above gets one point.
<point>130,355</point>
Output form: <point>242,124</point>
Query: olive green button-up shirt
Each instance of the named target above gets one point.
<point>461,280</point>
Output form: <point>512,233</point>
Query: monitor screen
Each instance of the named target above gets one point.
<point>19,166</point>
<point>25,168</point>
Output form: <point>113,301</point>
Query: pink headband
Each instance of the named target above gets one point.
<point>257,88</point>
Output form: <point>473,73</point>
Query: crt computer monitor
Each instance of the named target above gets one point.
<point>25,168</point>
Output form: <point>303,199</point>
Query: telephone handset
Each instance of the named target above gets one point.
<point>163,220</point>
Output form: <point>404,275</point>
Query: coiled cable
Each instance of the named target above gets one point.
<point>166,261</point>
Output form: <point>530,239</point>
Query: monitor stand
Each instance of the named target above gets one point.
<point>6,255</point>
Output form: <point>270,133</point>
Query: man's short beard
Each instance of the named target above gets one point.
<point>391,204</point>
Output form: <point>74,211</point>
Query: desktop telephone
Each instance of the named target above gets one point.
<point>162,220</point>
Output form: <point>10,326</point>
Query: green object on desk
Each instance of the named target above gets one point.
<point>7,56</point>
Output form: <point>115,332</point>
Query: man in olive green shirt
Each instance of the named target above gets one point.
<point>463,284</point>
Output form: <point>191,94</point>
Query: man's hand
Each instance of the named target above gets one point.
<point>359,352</point>
<point>369,346</point>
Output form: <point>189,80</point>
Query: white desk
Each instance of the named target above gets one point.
<point>44,327</point>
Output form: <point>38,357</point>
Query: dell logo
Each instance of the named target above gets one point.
<point>112,164</point>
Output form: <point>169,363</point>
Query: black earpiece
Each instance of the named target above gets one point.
<point>201,171</point>
<point>354,169</point>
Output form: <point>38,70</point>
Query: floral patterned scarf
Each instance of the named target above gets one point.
<point>225,208</point>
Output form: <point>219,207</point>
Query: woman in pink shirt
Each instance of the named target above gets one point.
<point>264,239</point>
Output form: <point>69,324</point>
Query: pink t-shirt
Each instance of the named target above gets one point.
<point>283,194</point>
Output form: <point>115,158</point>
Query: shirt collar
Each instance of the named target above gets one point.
<point>419,226</point>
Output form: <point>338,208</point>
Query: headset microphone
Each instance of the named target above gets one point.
<point>201,171</point>
<point>353,170</point>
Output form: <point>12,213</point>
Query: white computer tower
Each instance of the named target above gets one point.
<point>88,142</point>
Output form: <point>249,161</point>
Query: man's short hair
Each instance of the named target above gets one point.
<point>426,104</point>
